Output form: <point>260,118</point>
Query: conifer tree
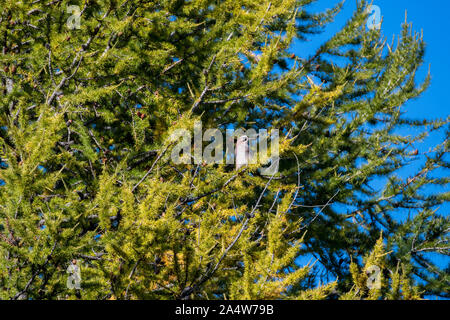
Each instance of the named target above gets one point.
<point>87,112</point>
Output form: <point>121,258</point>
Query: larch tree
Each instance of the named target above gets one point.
<point>91,94</point>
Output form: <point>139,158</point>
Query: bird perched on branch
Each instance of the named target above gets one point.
<point>242,152</point>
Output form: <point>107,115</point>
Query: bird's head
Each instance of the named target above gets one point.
<point>242,139</point>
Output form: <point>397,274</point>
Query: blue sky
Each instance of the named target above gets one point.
<point>433,18</point>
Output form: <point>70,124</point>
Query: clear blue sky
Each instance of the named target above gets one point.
<point>434,20</point>
<point>433,17</point>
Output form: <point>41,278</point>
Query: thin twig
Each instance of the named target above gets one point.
<point>150,170</point>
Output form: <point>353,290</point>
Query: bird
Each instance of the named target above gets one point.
<point>242,152</point>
